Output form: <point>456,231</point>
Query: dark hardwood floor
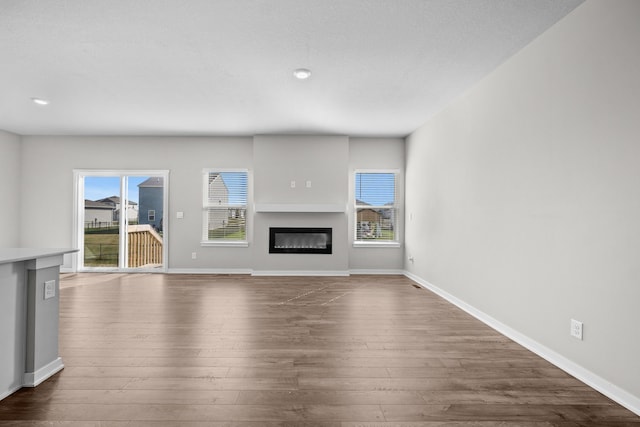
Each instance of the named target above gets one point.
<point>155,350</point>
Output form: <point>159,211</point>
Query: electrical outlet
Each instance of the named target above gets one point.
<point>49,289</point>
<point>576,329</point>
<point>194,255</point>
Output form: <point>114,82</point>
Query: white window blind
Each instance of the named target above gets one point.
<point>225,205</point>
<point>375,207</point>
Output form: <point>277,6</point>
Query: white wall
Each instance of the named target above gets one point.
<point>523,196</point>
<point>281,159</point>
<point>376,153</point>
<point>322,160</point>
<point>47,192</point>
<point>9,189</point>
<point>47,186</point>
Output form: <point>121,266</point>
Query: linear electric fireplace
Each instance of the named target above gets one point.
<point>285,240</point>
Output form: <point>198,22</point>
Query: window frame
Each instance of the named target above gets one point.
<point>374,243</point>
<point>205,241</point>
<point>79,175</point>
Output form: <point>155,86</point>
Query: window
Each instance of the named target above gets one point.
<point>375,207</point>
<point>225,207</point>
<point>103,231</point>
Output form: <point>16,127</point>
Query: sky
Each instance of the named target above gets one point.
<point>376,189</point>
<point>236,183</point>
<point>100,187</point>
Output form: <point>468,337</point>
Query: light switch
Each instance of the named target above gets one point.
<point>293,184</point>
<point>308,184</point>
<point>179,215</point>
<point>49,289</point>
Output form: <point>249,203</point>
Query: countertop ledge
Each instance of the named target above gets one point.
<point>8,255</point>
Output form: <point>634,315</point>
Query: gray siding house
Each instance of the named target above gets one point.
<point>151,202</point>
<point>98,214</point>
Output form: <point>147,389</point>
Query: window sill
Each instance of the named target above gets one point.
<point>225,243</point>
<point>374,244</point>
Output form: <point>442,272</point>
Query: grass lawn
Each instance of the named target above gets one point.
<point>386,235</point>
<point>234,231</point>
<point>227,233</point>
<point>101,250</point>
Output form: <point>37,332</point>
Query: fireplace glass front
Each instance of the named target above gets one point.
<point>287,240</point>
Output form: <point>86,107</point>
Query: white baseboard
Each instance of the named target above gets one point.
<point>32,379</point>
<point>248,271</point>
<point>283,272</point>
<point>9,392</point>
<point>594,381</point>
<point>299,273</point>
<point>377,272</point>
<point>209,271</point>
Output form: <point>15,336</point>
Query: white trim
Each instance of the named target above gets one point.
<point>206,205</point>
<point>380,272</point>
<point>32,379</point>
<point>78,217</point>
<point>299,273</point>
<point>248,271</point>
<point>215,170</point>
<point>398,203</point>
<point>376,244</point>
<point>367,170</point>
<point>9,392</point>
<point>209,271</point>
<point>227,243</point>
<point>123,241</point>
<point>245,271</point>
<point>594,381</point>
<point>134,270</point>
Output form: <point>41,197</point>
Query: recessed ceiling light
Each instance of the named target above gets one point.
<point>302,73</point>
<point>40,101</point>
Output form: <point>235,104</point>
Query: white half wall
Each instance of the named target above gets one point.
<point>522,197</point>
<point>9,189</point>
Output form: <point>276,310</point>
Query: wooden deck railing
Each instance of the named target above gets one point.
<point>145,246</point>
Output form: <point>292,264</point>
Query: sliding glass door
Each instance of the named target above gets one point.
<point>120,220</point>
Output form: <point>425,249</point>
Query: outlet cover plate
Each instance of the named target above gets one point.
<point>576,329</point>
<point>49,289</point>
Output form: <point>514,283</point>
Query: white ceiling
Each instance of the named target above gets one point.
<point>224,67</point>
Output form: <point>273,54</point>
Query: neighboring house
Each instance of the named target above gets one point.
<point>219,196</point>
<point>151,195</point>
<point>98,214</point>
<point>369,215</point>
<point>132,208</point>
<point>369,221</point>
<point>365,214</point>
